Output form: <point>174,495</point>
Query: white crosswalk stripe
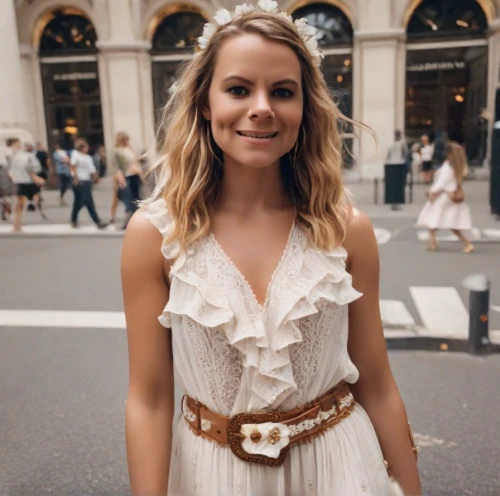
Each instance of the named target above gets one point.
<point>61,230</point>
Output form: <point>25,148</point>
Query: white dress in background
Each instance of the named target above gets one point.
<point>443,213</point>
<point>235,356</point>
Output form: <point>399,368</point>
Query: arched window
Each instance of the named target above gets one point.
<point>447,19</point>
<point>446,86</point>
<point>68,34</point>
<point>178,31</point>
<point>334,27</point>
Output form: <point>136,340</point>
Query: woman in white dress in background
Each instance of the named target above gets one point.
<point>249,274</point>
<point>446,207</point>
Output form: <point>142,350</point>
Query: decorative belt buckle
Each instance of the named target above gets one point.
<point>243,429</point>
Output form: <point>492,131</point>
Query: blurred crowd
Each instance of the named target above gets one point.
<point>25,170</point>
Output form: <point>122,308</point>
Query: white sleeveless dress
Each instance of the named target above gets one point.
<point>235,356</point>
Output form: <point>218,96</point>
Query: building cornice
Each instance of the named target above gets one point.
<point>118,46</point>
<point>398,34</point>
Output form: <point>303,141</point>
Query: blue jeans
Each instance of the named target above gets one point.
<point>83,197</point>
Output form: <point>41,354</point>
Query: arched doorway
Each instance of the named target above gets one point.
<point>172,43</point>
<point>70,76</point>
<point>446,74</point>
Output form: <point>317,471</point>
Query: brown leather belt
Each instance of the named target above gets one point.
<point>265,437</point>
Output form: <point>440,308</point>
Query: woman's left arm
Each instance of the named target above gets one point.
<point>376,389</point>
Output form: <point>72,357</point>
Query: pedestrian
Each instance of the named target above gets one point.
<point>266,281</point>
<point>62,161</point>
<point>23,171</point>
<point>83,172</point>
<point>44,159</point>
<point>416,160</point>
<point>446,207</point>
<point>128,176</point>
<point>99,158</point>
<point>427,152</point>
<point>5,182</point>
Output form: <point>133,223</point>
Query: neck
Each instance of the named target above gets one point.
<point>247,189</point>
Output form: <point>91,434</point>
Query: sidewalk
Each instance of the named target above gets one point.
<point>477,196</point>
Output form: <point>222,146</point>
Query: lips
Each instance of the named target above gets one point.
<point>258,134</point>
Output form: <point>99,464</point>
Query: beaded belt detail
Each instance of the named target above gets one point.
<point>265,437</point>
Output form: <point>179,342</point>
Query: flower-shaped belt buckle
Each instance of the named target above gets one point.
<point>259,438</point>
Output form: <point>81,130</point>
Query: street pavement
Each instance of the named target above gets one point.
<point>63,365</point>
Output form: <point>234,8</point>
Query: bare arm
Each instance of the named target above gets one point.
<point>376,389</point>
<point>150,402</point>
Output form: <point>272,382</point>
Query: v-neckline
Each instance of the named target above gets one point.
<point>261,306</point>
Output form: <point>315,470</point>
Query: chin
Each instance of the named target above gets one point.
<point>256,160</point>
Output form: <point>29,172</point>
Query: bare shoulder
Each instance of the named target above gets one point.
<point>141,245</point>
<point>360,236</point>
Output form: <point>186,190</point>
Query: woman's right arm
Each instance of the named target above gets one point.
<point>150,402</point>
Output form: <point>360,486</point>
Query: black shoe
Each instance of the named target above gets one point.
<point>31,207</point>
<point>102,225</point>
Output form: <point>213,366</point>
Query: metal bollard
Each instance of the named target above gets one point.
<point>479,305</point>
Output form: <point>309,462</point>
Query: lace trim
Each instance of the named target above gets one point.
<point>262,306</point>
<point>308,424</point>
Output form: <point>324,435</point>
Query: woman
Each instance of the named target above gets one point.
<point>83,172</point>
<point>251,256</point>
<point>445,208</point>
<point>426,152</point>
<point>5,184</point>
<point>127,177</point>
<point>416,160</point>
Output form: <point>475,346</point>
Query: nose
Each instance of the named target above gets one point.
<point>261,108</point>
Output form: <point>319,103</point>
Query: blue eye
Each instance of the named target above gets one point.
<point>238,91</point>
<point>283,93</point>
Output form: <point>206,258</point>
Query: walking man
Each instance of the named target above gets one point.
<point>83,171</point>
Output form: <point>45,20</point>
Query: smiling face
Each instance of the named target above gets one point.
<point>255,100</point>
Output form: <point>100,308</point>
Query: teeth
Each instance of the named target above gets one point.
<point>262,137</point>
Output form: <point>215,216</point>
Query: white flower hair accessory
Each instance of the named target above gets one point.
<point>223,17</point>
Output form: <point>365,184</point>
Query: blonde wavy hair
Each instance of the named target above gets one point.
<point>457,159</point>
<point>189,168</point>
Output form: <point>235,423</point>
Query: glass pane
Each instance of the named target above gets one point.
<point>337,70</point>
<point>446,92</point>
<point>68,34</point>
<point>72,102</point>
<point>334,28</point>
<point>178,32</point>
<point>447,18</point>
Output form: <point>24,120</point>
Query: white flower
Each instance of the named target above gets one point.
<point>223,16</point>
<point>268,5</point>
<point>266,439</point>
<point>208,32</point>
<point>289,18</point>
<point>243,9</point>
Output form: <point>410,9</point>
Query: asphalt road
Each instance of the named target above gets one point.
<point>63,391</point>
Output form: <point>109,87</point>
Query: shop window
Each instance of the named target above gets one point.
<point>446,93</point>
<point>334,27</point>
<point>68,34</point>
<point>178,31</point>
<point>447,19</point>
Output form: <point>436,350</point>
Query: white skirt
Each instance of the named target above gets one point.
<point>344,460</point>
<point>443,213</point>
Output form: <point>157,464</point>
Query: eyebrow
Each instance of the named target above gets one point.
<point>247,81</point>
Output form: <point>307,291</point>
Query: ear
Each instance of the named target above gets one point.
<point>206,113</point>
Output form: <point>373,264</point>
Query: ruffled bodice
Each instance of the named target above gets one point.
<point>235,355</point>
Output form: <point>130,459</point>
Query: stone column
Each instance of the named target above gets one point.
<point>13,110</point>
<point>125,75</point>
<point>380,93</point>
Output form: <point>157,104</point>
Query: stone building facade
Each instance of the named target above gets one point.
<point>94,67</point>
